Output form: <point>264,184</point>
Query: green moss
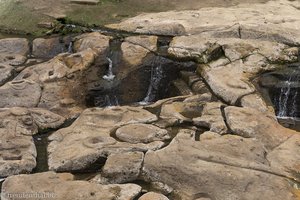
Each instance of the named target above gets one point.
<point>112,11</point>
<point>15,18</point>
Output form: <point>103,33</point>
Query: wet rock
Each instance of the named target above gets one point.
<point>17,149</point>
<point>123,167</point>
<point>88,138</point>
<point>148,42</point>
<point>22,93</point>
<point>6,72</point>
<point>63,186</point>
<point>250,123</point>
<point>212,118</point>
<point>227,167</point>
<point>153,196</point>
<point>229,87</point>
<point>141,133</point>
<point>47,48</point>
<point>13,51</point>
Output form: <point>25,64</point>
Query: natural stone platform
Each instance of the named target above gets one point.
<point>215,138</point>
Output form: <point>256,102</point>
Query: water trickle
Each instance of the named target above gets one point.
<point>287,101</point>
<point>109,76</point>
<point>70,47</point>
<point>156,77</point>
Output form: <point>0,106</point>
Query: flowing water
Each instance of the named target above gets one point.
<point>156,77</point>
<point>109,76</point>
<point>287,101</point>
<point>283,88</point>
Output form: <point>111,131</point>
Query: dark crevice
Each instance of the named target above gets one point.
<point>222,108</point>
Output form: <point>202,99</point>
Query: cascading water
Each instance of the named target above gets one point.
<point>281,89</point>
<point>70,47</point>
<point>156,77</point>
<point>109,76</point>
<point>287,106</point>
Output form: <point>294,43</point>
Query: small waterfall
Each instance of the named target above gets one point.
<point>156,77</point>
<point>70,47</point>
<point>283,99</point>
<point>106,101</point>
<point>287,101</point>
<point>109,76</point>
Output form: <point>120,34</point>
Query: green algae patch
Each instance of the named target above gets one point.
<point>17,19</point>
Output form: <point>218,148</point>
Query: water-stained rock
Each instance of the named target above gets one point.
<point>63,186</point>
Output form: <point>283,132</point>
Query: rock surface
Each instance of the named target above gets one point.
<point>89,137</point>
<point>141,133</point>
<point>47,48</point>
<point>17,149</point>
<point>218,140</point>
<point>124,167</point>
<point>153,196</point>
<point>255,21</point>
<point>237,172</point>
<point>13,51</point>
<point>63,186</point>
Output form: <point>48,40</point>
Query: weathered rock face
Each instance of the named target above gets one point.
<point>254,21</point>
<point>48,48</point>
<point>219,140</point>
<point>63,186</point>
<point>247,122</point>
<point>22,93</point>
<point>228,82</point>
<point>153,196</point>
<point>141,133</point>
<point>124,167</point>
<point>88,138</point>
<point>17,149</point>
<point>13,51</point>
<point>212,118</point>
<point>227,167</point>
<point>60,79</point>
<point>6,72</point>
<point>96,41</point>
